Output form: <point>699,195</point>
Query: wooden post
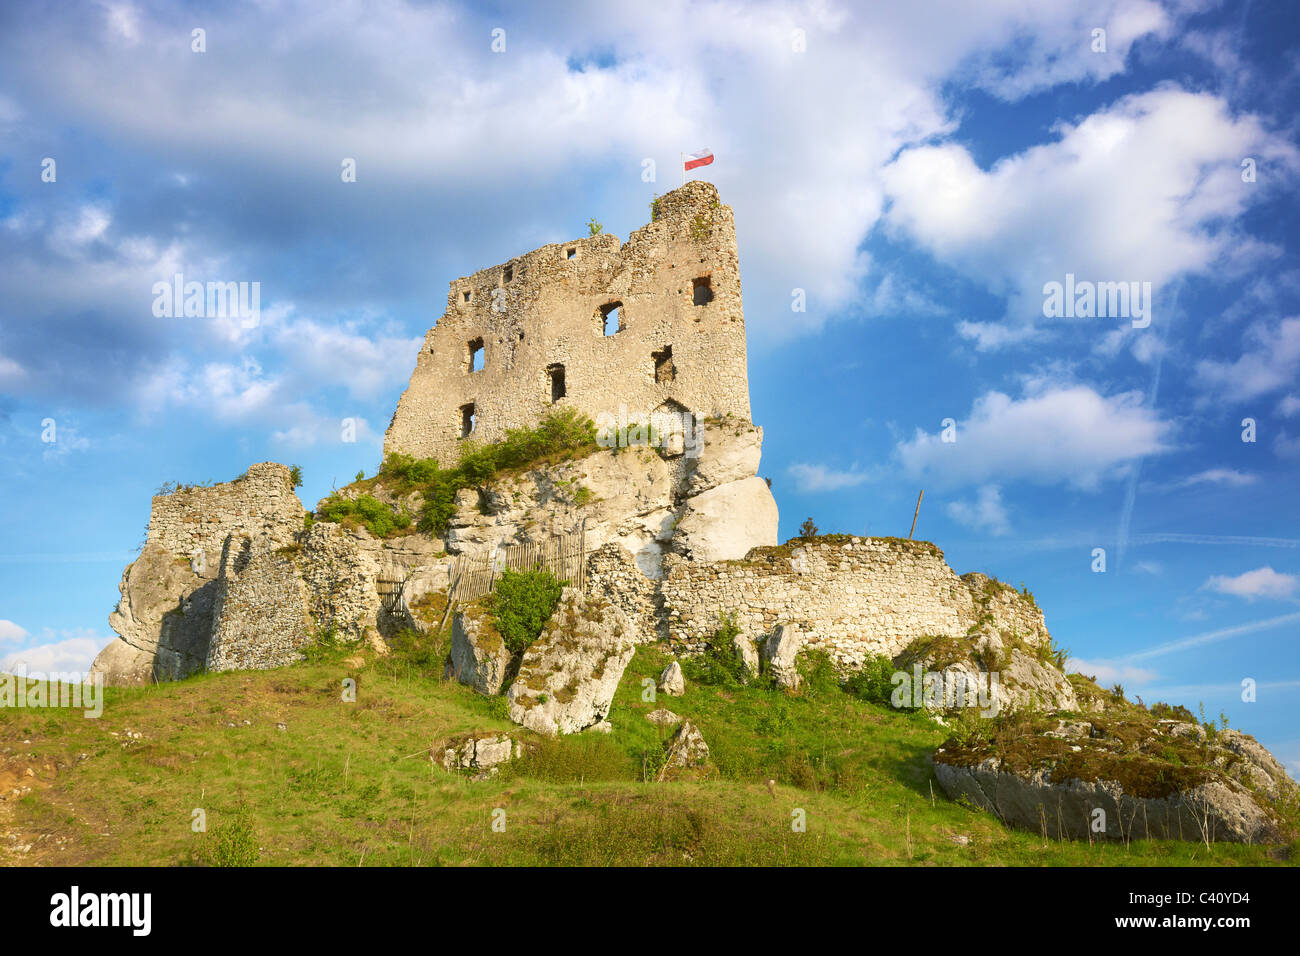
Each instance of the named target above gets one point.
<point>915,513</point>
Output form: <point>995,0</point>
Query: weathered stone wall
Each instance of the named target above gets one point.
<point>340,573</point>
<point>164,619</point>
<point>543,309</point>
<point>260,613</point>
<point>612,574</point>
<point>851,597</point>
<point>259,504</point>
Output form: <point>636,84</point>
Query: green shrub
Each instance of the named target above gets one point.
<point>874,682</point>
<point>378,518</point>
<point>565,432</point>
<point>718,665</point>
<point>295,475</point>
<point>522,604</point>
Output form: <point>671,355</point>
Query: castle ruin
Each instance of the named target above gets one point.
<point>652,327</point>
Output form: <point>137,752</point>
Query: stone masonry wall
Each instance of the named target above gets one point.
<point>259,504</point>
<point>260,614</point>
<point>543,309</point>
<point>851,598</point>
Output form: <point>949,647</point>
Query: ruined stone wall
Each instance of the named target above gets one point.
<point>543,309</point>
<point>260,504</point>
<point>852,598</point>
<point>612,574</point>
<point>260,618</point>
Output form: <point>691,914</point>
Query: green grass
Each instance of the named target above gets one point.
<point>348,783</point>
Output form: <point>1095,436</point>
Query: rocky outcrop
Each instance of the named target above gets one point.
<point>164,620</point>
<point>726,522</point>
<point>479,657</point>
<point>1129,777</point>
<point>568,677</point>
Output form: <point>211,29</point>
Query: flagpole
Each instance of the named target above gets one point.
<point>683,156</point>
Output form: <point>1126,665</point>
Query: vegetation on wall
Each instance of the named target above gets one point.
<point>563,434</point>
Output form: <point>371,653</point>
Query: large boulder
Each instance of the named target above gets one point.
<point>479,656</point>
<point>671,681</point>
<point>731,451</point>
<point>780,653</point>
<point>726,522</point>
<point>479,753</point>
<point>568,677</point>
<point>1129,777</point>
<point>686,751</point>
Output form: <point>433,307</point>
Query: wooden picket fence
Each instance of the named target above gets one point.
<point>563,555</point>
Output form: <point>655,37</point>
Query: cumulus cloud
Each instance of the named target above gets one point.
<point>65,651</point>
<point>1055,433</point>
<point>1271,361</point>
<point>1146,190</point>
<point>1261,583</point>
<point>9,631</point>
<point>985,513</point>
<point>809,477</point>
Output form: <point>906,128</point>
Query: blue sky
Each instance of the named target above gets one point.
<point>920,171</point>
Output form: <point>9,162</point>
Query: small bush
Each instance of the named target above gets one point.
<point>295,475</point>
<point>718,665</point>
<point>874,682</point>
<point>808,529</point>
<point>522,604</point>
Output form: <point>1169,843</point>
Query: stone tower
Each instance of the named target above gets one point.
<point>652,325</point>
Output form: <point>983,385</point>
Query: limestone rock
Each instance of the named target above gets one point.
<point>747,656</point>
<point>731,452</point>
<point>479,657</point>
<point>568,677</point>
<point>480,753</point>
<point>671,681</point>
<point>686,751</point>
<point>1149,778</point>
<point>780,652</point>
<point>663,717</point>
<point>726,522</point>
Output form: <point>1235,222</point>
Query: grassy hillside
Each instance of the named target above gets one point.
<point>353,783</point>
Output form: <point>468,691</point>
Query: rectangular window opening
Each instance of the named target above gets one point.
<point>611,318</point>
<point>507,274</point>
<point>468,420</point>
<point>555,373</point>
<point>665,371</point>
<point>571,253</point>
<point>477,356</point>
<point>701,291</point>
<point>465,295</point>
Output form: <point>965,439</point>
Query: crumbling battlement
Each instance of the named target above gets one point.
<point>851,598</point>
<point>669,299</point>
<point>259,504</point>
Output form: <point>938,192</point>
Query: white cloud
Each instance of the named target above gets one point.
<point>66,652</point>
<point>1110,672</point>
<point>1154,568</point>
<point>810,478</point>
<point>1228,477</point>
<point>985,513</point>
<point>1261,583</point>
<point>1056,433</point>
<point>9,631</point>
<point>1289,406</point>
<point>1271,361</point>
<point>1146,190</point>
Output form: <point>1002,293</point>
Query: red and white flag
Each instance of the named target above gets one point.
<point>702,158</point>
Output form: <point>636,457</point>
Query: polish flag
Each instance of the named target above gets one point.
<point>702,158</point>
